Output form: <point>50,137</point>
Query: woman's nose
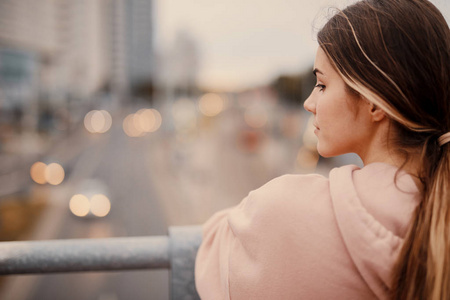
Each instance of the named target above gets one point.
<point>310,105</point>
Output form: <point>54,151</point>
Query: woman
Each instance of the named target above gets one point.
<point>382,231</point>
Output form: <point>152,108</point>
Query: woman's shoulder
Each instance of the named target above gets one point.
<point>298,186</point>
<point>288,183</point>
<point>297,181</point>
<point>291,196</point>
<point>316,196</point>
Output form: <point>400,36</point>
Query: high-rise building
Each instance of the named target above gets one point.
<point>131,47</point>
<point>139,45</point>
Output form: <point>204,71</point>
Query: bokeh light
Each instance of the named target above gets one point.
<point>54,174</point>
<point>87,121</point>
<point>100,205</point>
<point>211,104</point>
<point>145,120</point>
<point>148,120</point>
<point>131,126</point>
<point>37,172</point>
<point>79,205</point>
<point>42,173</point>
<point>158,119</point>
<point>98,121</point>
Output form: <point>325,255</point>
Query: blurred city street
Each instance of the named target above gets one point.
<point>193,166</point>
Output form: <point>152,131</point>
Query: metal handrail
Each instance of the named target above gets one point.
<point>79,255</point>
<point>176,252</point>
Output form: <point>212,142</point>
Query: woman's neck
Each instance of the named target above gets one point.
<point>380,148</point>
<point>409,162</point>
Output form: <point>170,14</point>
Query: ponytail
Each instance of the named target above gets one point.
<point>423,267</point>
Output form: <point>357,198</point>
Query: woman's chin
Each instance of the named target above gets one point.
<point>324,152</point>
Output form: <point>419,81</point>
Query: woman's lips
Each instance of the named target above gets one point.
<point>317,128</point>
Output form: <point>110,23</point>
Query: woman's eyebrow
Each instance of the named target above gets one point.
<point>315,71</point>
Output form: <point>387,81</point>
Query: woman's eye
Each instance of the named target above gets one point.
<point>320,86</point>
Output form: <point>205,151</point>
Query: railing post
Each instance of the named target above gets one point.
<point>184,243</point>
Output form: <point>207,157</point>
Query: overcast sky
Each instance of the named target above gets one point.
<point>248,42</point>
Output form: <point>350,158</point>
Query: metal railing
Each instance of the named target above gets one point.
<point>176,252</point>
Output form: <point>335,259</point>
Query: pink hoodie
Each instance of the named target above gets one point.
<point>309,237</point>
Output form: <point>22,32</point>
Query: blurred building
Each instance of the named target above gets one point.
<point>178,66</point>
<point>63,53</point>
<point>185,59</point>
<point>139,41</point>
<point>22,44</point>
<point>132,72</point>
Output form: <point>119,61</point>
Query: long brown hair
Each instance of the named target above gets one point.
<point>396,54</point>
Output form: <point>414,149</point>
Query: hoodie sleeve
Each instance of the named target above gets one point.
<point>271,245</point>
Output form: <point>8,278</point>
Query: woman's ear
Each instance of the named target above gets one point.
<point>376,113</point>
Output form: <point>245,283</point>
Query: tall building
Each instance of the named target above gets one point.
<point>132,48</point>
<point>119,75</point>
<point>139,42</point>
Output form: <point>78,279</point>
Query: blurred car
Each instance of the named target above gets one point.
<point>91,200</point>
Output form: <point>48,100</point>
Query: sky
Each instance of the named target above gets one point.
<point>243,43</point>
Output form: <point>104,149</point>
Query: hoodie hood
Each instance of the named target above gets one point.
<point>373,207</point>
